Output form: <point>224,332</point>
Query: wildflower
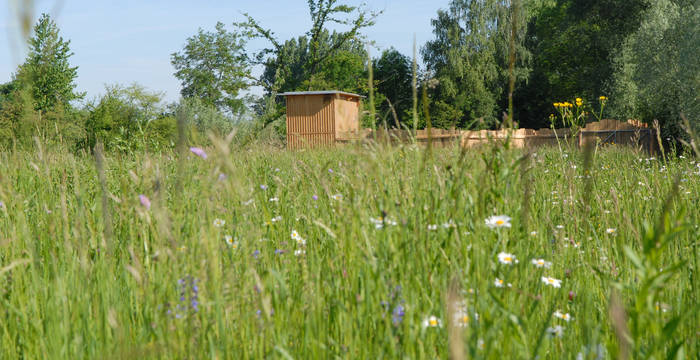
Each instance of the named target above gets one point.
<point>498,221</point>
<point>506,258</point>
<point>610,230</point>
<point>572,295</point>
<point>461,318</point>
<point>299,252</point>
<point>432,321</point>
<point>231,242</point>
<point>337,197</point>
<point>219,223</point>
<point>249,202</point>
<point>222,177</point>
<point>534,233</point>
<point>263,187</point>
<point>541,263</point>
<point>256,253</point>
<point>557,331</point>
<point>296,237</point>
<point>566,317</point>
<point>398,314</point>
<point>315,197</point>
<point>432,227</point>
<point>551,281</point>
<point>145,202</point>
<point>330,171</point>
<point>499,283</point>
<point>199,152</point>
<point>276,219</point>
<point>274,199</point>
<point>579,102</point>
<point>603,98</point>
<point>560,227</point>
<point>661,307</point>
<point>449,224</point>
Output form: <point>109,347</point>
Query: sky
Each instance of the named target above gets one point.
<point>127,41</point>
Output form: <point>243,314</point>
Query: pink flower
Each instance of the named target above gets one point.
<point>199,152</point>
<point>145,201</point>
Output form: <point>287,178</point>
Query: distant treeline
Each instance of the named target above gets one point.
<point>642,55</point>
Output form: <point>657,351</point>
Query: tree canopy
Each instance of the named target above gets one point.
<point>213,67</point>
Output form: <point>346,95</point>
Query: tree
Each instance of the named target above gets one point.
<point>394,76</point>
<point>47,70</point>
<point>214,68</point>
<point>469,58</point>
<point>572,42</point>
<point>298,62</point>
<point>657,73</point>
<point>344,70</point>
<point>123,116</point>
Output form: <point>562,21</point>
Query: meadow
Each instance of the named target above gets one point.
<point>357,252</point>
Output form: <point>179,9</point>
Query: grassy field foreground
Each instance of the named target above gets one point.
<point>350,253</point>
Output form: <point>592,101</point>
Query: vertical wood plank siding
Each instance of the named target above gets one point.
<point>310,121</point>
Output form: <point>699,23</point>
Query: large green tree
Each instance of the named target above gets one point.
<point>393,74</point>
<point>344,70</point>
<point>573,43</point>
<point>47,69</point>
<point>213,67</point>
<point>37,102</point>
<point>319,57</point>
<point>469,59</point>
<point>657,71</point>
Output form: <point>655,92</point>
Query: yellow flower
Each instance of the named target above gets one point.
<point>579,102</point>
<point>603,98</point>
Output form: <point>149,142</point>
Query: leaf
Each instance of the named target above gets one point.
<point>634,258</point>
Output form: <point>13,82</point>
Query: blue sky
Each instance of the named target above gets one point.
<point>131,41</point>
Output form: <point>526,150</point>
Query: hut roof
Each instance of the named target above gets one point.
<point>329,92</point>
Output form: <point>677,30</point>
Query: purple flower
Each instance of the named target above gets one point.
<point>330,171</point>
<point>222,177</point>
<point>315,197</point>
<point>264,187</point>
<point>279,252</point>
<point>256,253</point>
<point>145,201</point>
<point>2,205</point>
<point>199,152</point>
<point>397,315</point>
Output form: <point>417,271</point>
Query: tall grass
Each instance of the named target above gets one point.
<point>386,247</point>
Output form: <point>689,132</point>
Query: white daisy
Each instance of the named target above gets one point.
<point>506,258</point>
<point>551,281</point>
<point>337,197</point>
<point>299,252</point>
<point>432,227</point>
<point>219,223</point>
<point>432,321</point>
<point>498,221</point>
<point>566,317</point>
<point>541,263</point>
<point>500,283</point>
<point>610,230</point>
<point>557,331</point>
<point>231,242</point>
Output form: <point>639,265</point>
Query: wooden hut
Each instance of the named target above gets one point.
<point>319,118</point>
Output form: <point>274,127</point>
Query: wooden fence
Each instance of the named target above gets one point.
<point>631,132</point>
